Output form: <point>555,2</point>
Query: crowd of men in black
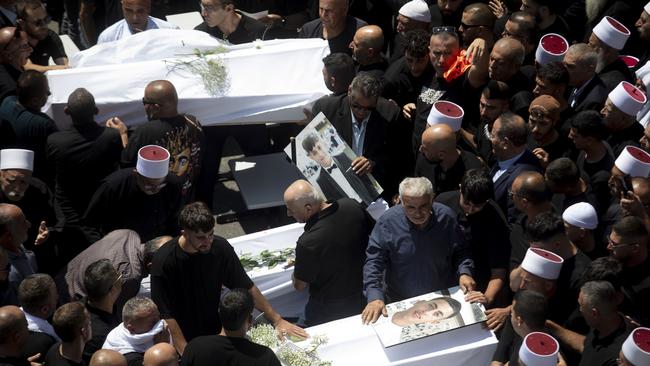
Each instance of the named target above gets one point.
<point>550,151</point>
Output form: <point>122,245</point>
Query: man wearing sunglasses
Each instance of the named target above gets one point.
<point>146,199</point>
<point>33,18</point>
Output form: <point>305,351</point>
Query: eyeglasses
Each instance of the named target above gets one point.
<point>445,29</point>
<point>145,102</point>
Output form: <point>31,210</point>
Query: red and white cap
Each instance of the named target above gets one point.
<point>628,98</point>
<point>630,61</point>
<point>539,349</point>
<point>582,215</point>
<point>634,162</point>
<point>611,32</point>
<point>542,263</point>
<point>416,10</point>
<point>16,159</point>
<point>636,347</point>
<point>551,48</point>
<point>447,113</point>
<point>643,73</point>
<point>153,162</point>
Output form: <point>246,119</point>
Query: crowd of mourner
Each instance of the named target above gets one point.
<point>511,140</point>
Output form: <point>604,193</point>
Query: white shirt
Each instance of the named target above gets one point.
<point>358,134</point>
<point>505,165</point>
<point>121,29</point>
<point>39,325</point>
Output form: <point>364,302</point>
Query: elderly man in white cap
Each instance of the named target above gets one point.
<point>411,16</point>
<point>19,187</point>
<point>580,221</point>
<point>620,110</point>
<point>631,162</point>
<point>608,38</point>
<point>636,348</point>
<point>643,83</point>
<point>146,199</point>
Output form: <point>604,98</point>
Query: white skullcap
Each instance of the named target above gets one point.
<point>636,347</point>
<point>416,10</point>
<point>634,162</point>
<point>539,349</point>
<point>551,48</point>
<point>542,263</point>
<point>582,215</point>
<point>647,8</point>
<point>153,162</point>
<point>611,32</point>
<point>643,73</point>
<point>447,113</point>
<point>628,98</point>
<point>16,159</point>
<point>629,60</point>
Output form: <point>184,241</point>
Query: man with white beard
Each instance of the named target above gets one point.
<point>608,38</point>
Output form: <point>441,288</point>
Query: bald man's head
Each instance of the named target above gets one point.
<point>505,59</point>
<point>302,200</point>
<point>161,354</point>
<point>529,187</point>
<point>107,357</point>
<point>367,44</point>
<point>14,47</point>
<point>13,329</point>
<point>641,187</point>
<point>160,100</point>
<point>81,106</point>
<point>438,142</point>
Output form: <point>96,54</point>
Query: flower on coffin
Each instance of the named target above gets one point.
<point>258,43</point>
<point>264,334</point>
<point>209,65</point>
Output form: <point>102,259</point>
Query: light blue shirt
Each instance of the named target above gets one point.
<point>505,165</point>
<point>358,134</point>
<point>121,29</point>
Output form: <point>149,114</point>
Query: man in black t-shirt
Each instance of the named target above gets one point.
<point>13,335</point>
<point>33,18</point>
<point>186,300</point>
<point>13,56</point>
<point>334,25</point>
<point>222,21</point>
<point>230,347</point>
<point>328,261</point>
<point>72,323</point>
<point>506,59</point>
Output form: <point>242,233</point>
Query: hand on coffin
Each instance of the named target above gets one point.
<point>372,311</point>
<point>466,283</point>
<point>408,110</point>
<point>476,296</point>
<point>497,317</point>
<point>284,328</point>
<point>43,234</point>
<point>362,166</point>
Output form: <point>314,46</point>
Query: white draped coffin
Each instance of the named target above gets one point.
<point>270,81</point>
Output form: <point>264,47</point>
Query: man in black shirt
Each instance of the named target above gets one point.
<point>13,335</point>
<point>334,24</point>
<point>366,45</point>
<point>564,181</point>
<point>506,59</point>
<point>546,14</point>
<point>72,323</point>
<point>545,141</point>
<point>38,297</point>
<point>328,261</point>
<point>185,300</point>
<point>146,199</point>
<point>222,21</point>
<point>13,56</point>
<point>230,346</point>
<point>30,126</point>
<point>441,161</point>
<point>103,286</point>
<point>338,72</point>
<point>161,354</point>
<point>33,18</point>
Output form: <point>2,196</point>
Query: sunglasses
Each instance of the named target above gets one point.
<point>150,102</point>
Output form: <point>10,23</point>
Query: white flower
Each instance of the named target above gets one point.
<point>258,43</point>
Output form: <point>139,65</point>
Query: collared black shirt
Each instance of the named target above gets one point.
<point>444,181</point>
<point>401,86</point>
<point>50,46</point>
<point>340,43</point>
<point>101,323</point>
<point>603,351</point>
<point>247,30</point>
<point>636,287</point>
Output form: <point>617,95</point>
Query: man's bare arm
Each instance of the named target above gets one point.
<point>177,335</point>
<point>573,340</point>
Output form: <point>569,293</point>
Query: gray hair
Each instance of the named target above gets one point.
<point>416,187</point>
<point>585,54</point>
<point>367,84</point>
<point>133,308</point>
<point>600,295</point>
